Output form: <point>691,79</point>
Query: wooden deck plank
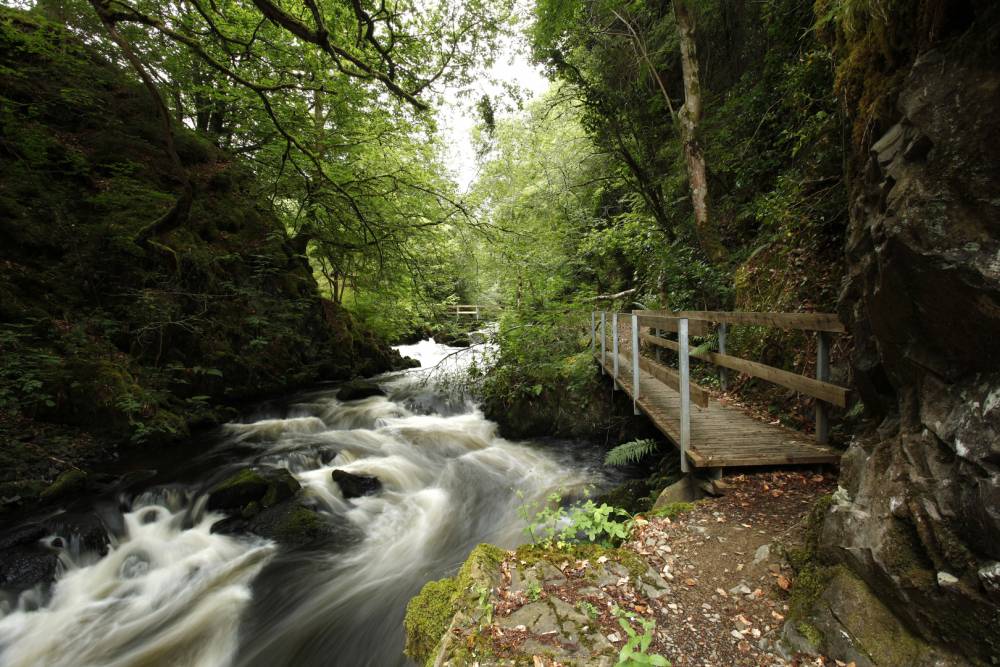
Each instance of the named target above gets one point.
<point>721,435</point>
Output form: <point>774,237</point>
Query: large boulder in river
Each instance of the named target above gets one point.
<point>354,486</point>
<point>918,516</point>
<point>355,390</point>
<point>248,487</point>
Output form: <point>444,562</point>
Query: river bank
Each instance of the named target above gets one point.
<point>726,581</point>
<point>188,563</point>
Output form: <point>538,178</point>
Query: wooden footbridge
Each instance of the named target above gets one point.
<point>708,433</point>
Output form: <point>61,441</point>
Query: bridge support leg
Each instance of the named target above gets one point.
<point>685,391</point>
<point>603,345</point>
<point>635,363</point>
<point>823,374</point>
<point>614,349</point>
<point>723,372</point>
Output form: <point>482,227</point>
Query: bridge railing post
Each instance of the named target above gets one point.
<point>685,391</point>
<point>723,372</point>
<point>822,374</point>
<point>614,349</point>
<point>604,352</point>
<point>635,363</point>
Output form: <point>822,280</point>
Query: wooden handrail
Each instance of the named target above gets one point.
<point>696,323</point>
<point>671,323</point>
<point>803,321</point>
<point>825,391</point>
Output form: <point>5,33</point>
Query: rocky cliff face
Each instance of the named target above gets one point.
<point>918,516</point>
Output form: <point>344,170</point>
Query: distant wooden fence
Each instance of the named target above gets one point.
<point>649,327</point>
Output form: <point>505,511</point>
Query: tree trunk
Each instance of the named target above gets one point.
<point>690,118</point>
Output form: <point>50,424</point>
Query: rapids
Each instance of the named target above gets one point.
<point>171,592</point>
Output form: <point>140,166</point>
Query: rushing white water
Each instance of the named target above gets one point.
<point>171,592</point>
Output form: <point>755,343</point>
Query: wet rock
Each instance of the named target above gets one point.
<point>454,339</point>
<point>290,524</point>
<point>83,533</point>
<point>355,390</point>
<point>355,486</point>
<point>26,534</point>
<point>762,554</point>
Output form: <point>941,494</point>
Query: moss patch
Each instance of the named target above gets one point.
<point>70,481</point>
<point>670,510</point>
<point>429,614</point>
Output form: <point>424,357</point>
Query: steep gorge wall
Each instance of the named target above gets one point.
<point>919,515</point>
<point>104,341</point>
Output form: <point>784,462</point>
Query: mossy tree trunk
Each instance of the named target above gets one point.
<point>690,118</point>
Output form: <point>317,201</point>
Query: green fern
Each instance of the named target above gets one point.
<point>630,452</point>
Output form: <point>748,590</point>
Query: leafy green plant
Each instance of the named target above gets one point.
<point>534,591</point>
<point>630,452</point>
<point>484,606</point>
<point>556,525</point>
<point>588,608</point>
<point>635,652</point>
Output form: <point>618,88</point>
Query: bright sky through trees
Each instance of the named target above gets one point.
<point>457,116</point>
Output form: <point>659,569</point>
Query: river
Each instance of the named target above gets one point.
<point>169,591</point>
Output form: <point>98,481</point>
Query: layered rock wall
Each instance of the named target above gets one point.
<point>918,516</point>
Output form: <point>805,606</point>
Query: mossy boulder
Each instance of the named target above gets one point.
<point>428,616</point>
<point>281,485</point>
<point>845,618</point>
<point>450,602</point>
<point>68,483</point>
<point>238,490</point>
<point>293,524</point>
<point>248,487</point>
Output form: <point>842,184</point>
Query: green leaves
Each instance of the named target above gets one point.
<point>556,525</point>
<point>630,452</point>
<point>635,650</point>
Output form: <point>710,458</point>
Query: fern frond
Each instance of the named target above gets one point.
<point>630,452</point>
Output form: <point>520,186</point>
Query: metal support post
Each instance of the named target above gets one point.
<point>685,390</point>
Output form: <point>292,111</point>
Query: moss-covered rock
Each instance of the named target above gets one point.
<point>428,616</point>
<point>70,482</point>
<point>237,490</point>
<point>441,604</point>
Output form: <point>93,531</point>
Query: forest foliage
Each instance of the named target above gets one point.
<point>591,184</point>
